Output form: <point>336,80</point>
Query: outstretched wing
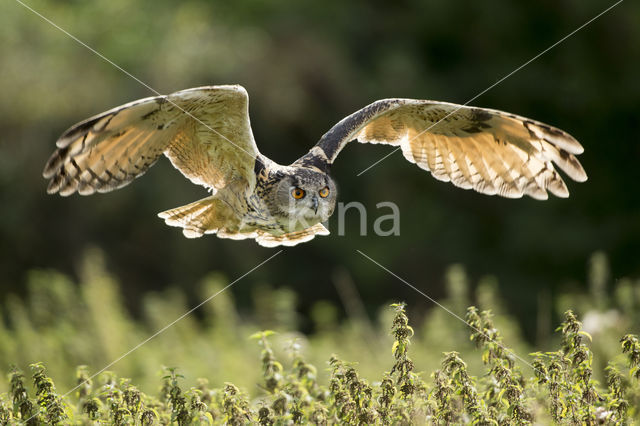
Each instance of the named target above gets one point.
<point>490,151</point>
<point>204,131</point>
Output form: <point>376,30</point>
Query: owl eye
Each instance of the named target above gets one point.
<point>324,192</point>
<point>297,193</point>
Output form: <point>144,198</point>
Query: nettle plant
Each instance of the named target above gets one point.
<point>556,387</point>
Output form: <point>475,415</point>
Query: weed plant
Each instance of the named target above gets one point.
<point>440,371</point>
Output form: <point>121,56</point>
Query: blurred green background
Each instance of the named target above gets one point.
<point>306,65</point>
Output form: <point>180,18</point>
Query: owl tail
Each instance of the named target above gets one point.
<point>204,216</point>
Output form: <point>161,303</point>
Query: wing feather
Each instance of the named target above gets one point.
<point>205,132</point>
<point>487,150</point>
<point>459,157</point>
<point>445,156</point>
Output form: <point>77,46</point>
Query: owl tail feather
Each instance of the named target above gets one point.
<point>201,217</point>
<point>291,239</point>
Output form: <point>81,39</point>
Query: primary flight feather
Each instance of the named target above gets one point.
<point>206,134</point>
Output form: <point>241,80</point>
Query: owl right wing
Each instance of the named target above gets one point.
<point>204,131</point>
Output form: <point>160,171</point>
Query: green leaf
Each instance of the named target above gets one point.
<point>261,334</point>
<point>587,335</point>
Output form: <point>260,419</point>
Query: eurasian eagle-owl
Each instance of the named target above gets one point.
<point>205,133</point>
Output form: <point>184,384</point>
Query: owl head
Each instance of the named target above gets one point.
<point>305,197</point>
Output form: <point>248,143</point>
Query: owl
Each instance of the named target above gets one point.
<point>206,134</point>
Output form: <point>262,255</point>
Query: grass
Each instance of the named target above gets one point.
<point>439,370</point>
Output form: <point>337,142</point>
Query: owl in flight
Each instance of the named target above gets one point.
<point>206,134</point>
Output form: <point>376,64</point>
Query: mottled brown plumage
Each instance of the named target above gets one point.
<point>206,134</point>
<point>490,151</point>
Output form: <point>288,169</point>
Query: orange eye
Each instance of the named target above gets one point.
<point>297,193</point>
<point>324,192</point>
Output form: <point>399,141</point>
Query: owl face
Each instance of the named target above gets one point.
<point>304,198</point>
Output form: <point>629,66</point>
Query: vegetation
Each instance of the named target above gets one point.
<point>306,65</point>
<point>440,370</point>
<point>561,389</point>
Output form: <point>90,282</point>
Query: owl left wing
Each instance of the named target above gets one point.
<point>490,151</point>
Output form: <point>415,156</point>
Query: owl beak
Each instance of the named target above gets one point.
<point>315,205</point>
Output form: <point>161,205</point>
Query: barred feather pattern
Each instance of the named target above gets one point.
<point>490,151</point>
<point>200,217</point>
<point>213,216</point>
<point>290,239</point>
<point>205,132</point>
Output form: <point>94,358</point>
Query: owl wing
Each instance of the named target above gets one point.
<point>204,131</point>
<point>490,151</point>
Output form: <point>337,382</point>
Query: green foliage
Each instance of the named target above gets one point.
<point>561,389</point>
<point>436,370</point>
